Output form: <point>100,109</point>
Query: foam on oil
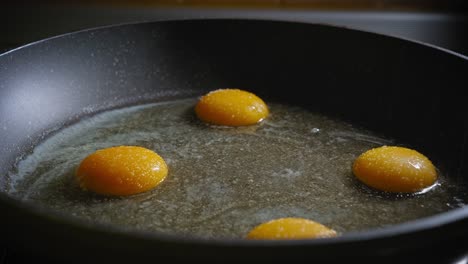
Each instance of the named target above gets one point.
<point>223,181</point>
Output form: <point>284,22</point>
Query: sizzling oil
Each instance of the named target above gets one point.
<point>223,181</point>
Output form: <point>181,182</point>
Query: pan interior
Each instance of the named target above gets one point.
<point>223,181</point>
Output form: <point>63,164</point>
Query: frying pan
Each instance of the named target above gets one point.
<point>410,91</point>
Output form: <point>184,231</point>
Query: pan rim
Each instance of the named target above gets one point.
<point>258,20</point>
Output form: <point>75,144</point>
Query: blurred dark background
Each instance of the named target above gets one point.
<point>443,22</point>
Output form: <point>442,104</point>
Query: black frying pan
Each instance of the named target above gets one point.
<point>415,92</point>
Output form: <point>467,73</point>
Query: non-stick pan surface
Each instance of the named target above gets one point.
<point>410,91</point>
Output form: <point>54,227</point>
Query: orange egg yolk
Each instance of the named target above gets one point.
<point>395,169</point>
<point>121,171</point>
<point>290,228</point>
<point>231,107</point>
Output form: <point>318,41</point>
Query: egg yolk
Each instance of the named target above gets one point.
<point>231,107</point>
<point>290,228</point>
<point>395,169</point>
<point>121,171</point>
